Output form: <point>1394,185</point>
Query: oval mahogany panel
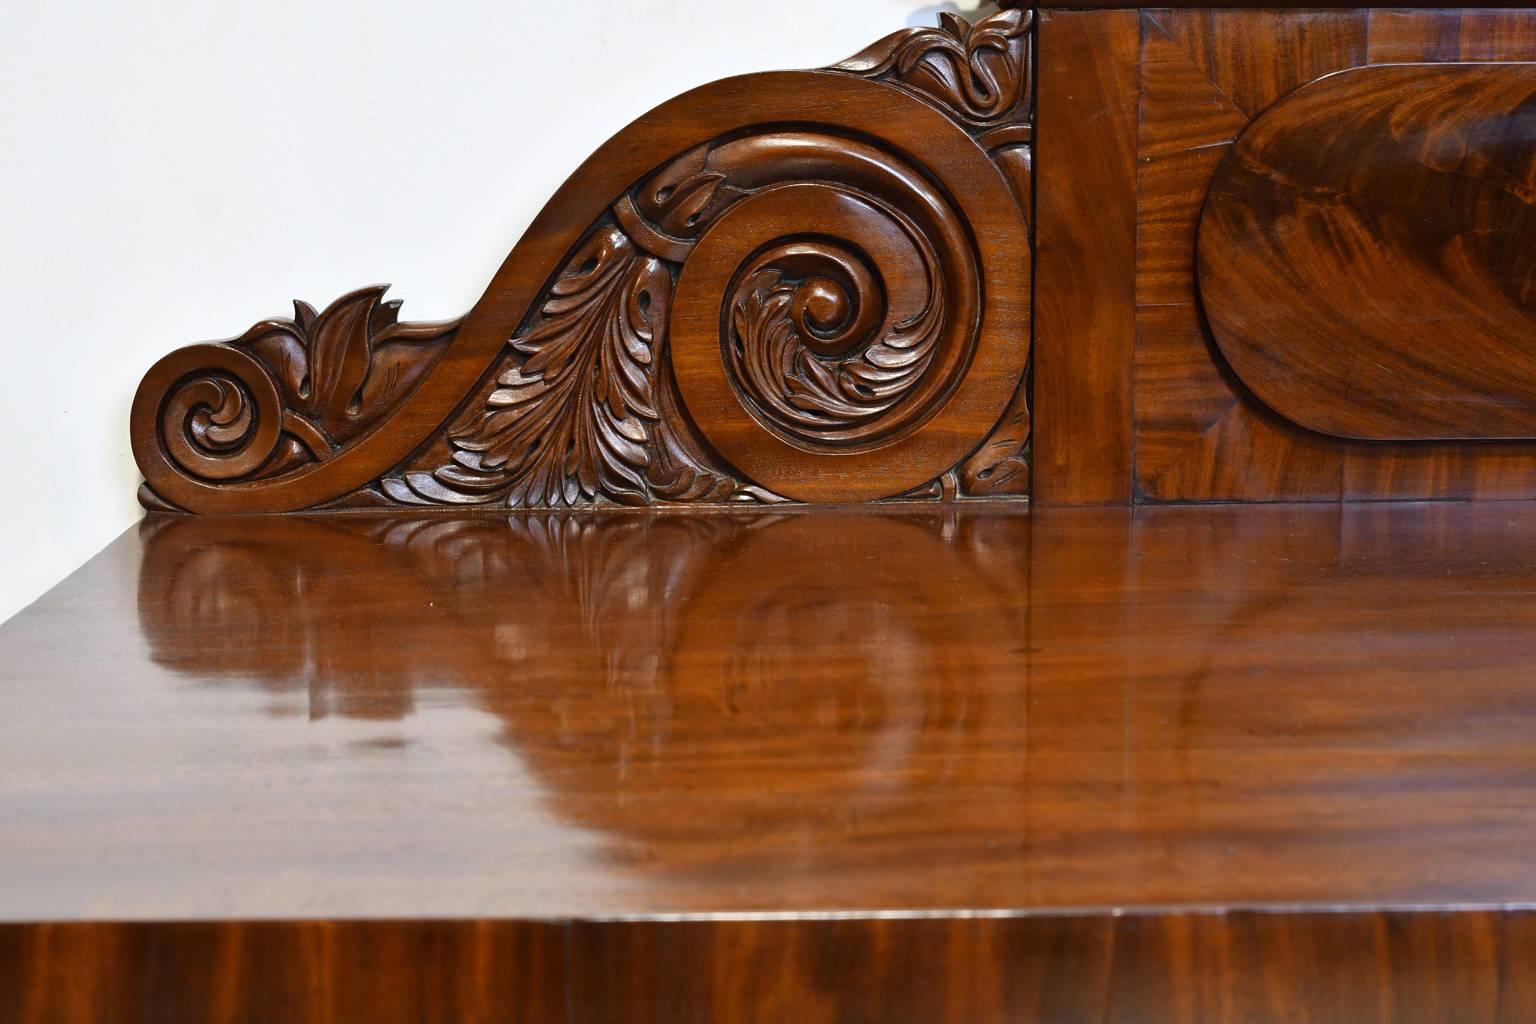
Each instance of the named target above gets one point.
<point>1367,253</point>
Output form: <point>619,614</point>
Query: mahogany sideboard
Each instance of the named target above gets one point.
<point>1033,522</point>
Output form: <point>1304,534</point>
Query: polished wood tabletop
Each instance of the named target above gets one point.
<point>881,737</point>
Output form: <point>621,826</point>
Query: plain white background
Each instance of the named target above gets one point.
<point>175,170</point>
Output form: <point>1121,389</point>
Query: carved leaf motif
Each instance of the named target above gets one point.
<point>283,395</point>
<point>570,422</point>
<point>339,370</point>
<point>979,72</point>
<point>1000,467</point>
<point>797,386</point>
<point>686,194</point>
<point>680,472</point>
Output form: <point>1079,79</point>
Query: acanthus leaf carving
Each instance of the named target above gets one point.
<point>570,422</point>
<point>340,369</point>
<point>979,73</point>
<point>1000,467</point>
<point>680,470</point>
<point>791,341</point>
<point>581,411</point>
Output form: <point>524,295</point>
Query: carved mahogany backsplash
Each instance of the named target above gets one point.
<point>800,286</point>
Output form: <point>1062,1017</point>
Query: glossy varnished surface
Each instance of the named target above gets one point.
<point>1085,333</point>
<point>545,717</point>
<point>544,768</point>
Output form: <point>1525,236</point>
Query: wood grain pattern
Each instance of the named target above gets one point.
<point>1398,36</point>
<point>1216,763</point>
<point>1239,968</point>
<point>320,972</point>
<point>1204,75</point>
<point>1366,254</point>
<point>1448,469</point>
<point>1201,434</point>
<point>810,286</point>
<point>1086,239</point>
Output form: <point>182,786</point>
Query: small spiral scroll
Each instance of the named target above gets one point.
<point>221,418</point>
<point>233,419</point>
<point>838,312</point>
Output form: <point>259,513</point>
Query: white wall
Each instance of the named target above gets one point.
<point>174,170</point>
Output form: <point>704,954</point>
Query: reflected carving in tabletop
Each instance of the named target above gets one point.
<point>880,696</point>
<point>632,659</point>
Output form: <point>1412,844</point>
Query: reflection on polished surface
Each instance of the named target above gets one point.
<point>910,707</point>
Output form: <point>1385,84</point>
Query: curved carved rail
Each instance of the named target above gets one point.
<point>804,286</point>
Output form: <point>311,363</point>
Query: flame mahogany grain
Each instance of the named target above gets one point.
<point>1199,432</point>
<point>1368,253</point>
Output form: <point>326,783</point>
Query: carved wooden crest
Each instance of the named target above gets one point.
<point>808,286</point>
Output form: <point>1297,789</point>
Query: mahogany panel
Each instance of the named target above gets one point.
<point>1368,253</point>
<point>1398,36</point>
<point>1203,76</point>
<point>1445,469</point>
<point>1257,56</point>
<point>1469,470</point>
<point>1085,330</point>
<point>282,972</point>
<point>1201,434</point>
<point>1176,155</point>
<point>1188,968</point>
<point>1198,439</point>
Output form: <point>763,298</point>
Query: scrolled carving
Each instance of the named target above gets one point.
<point>285,394</point>
<point>980,72</point>
<point>803,345</point>
<point>809,285</point>
<point>848,298</point>
<point>837,312</point>
<point>827,292</point>
<point>222,416</point>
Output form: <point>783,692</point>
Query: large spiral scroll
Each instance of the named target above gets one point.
<point>809,286</point>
